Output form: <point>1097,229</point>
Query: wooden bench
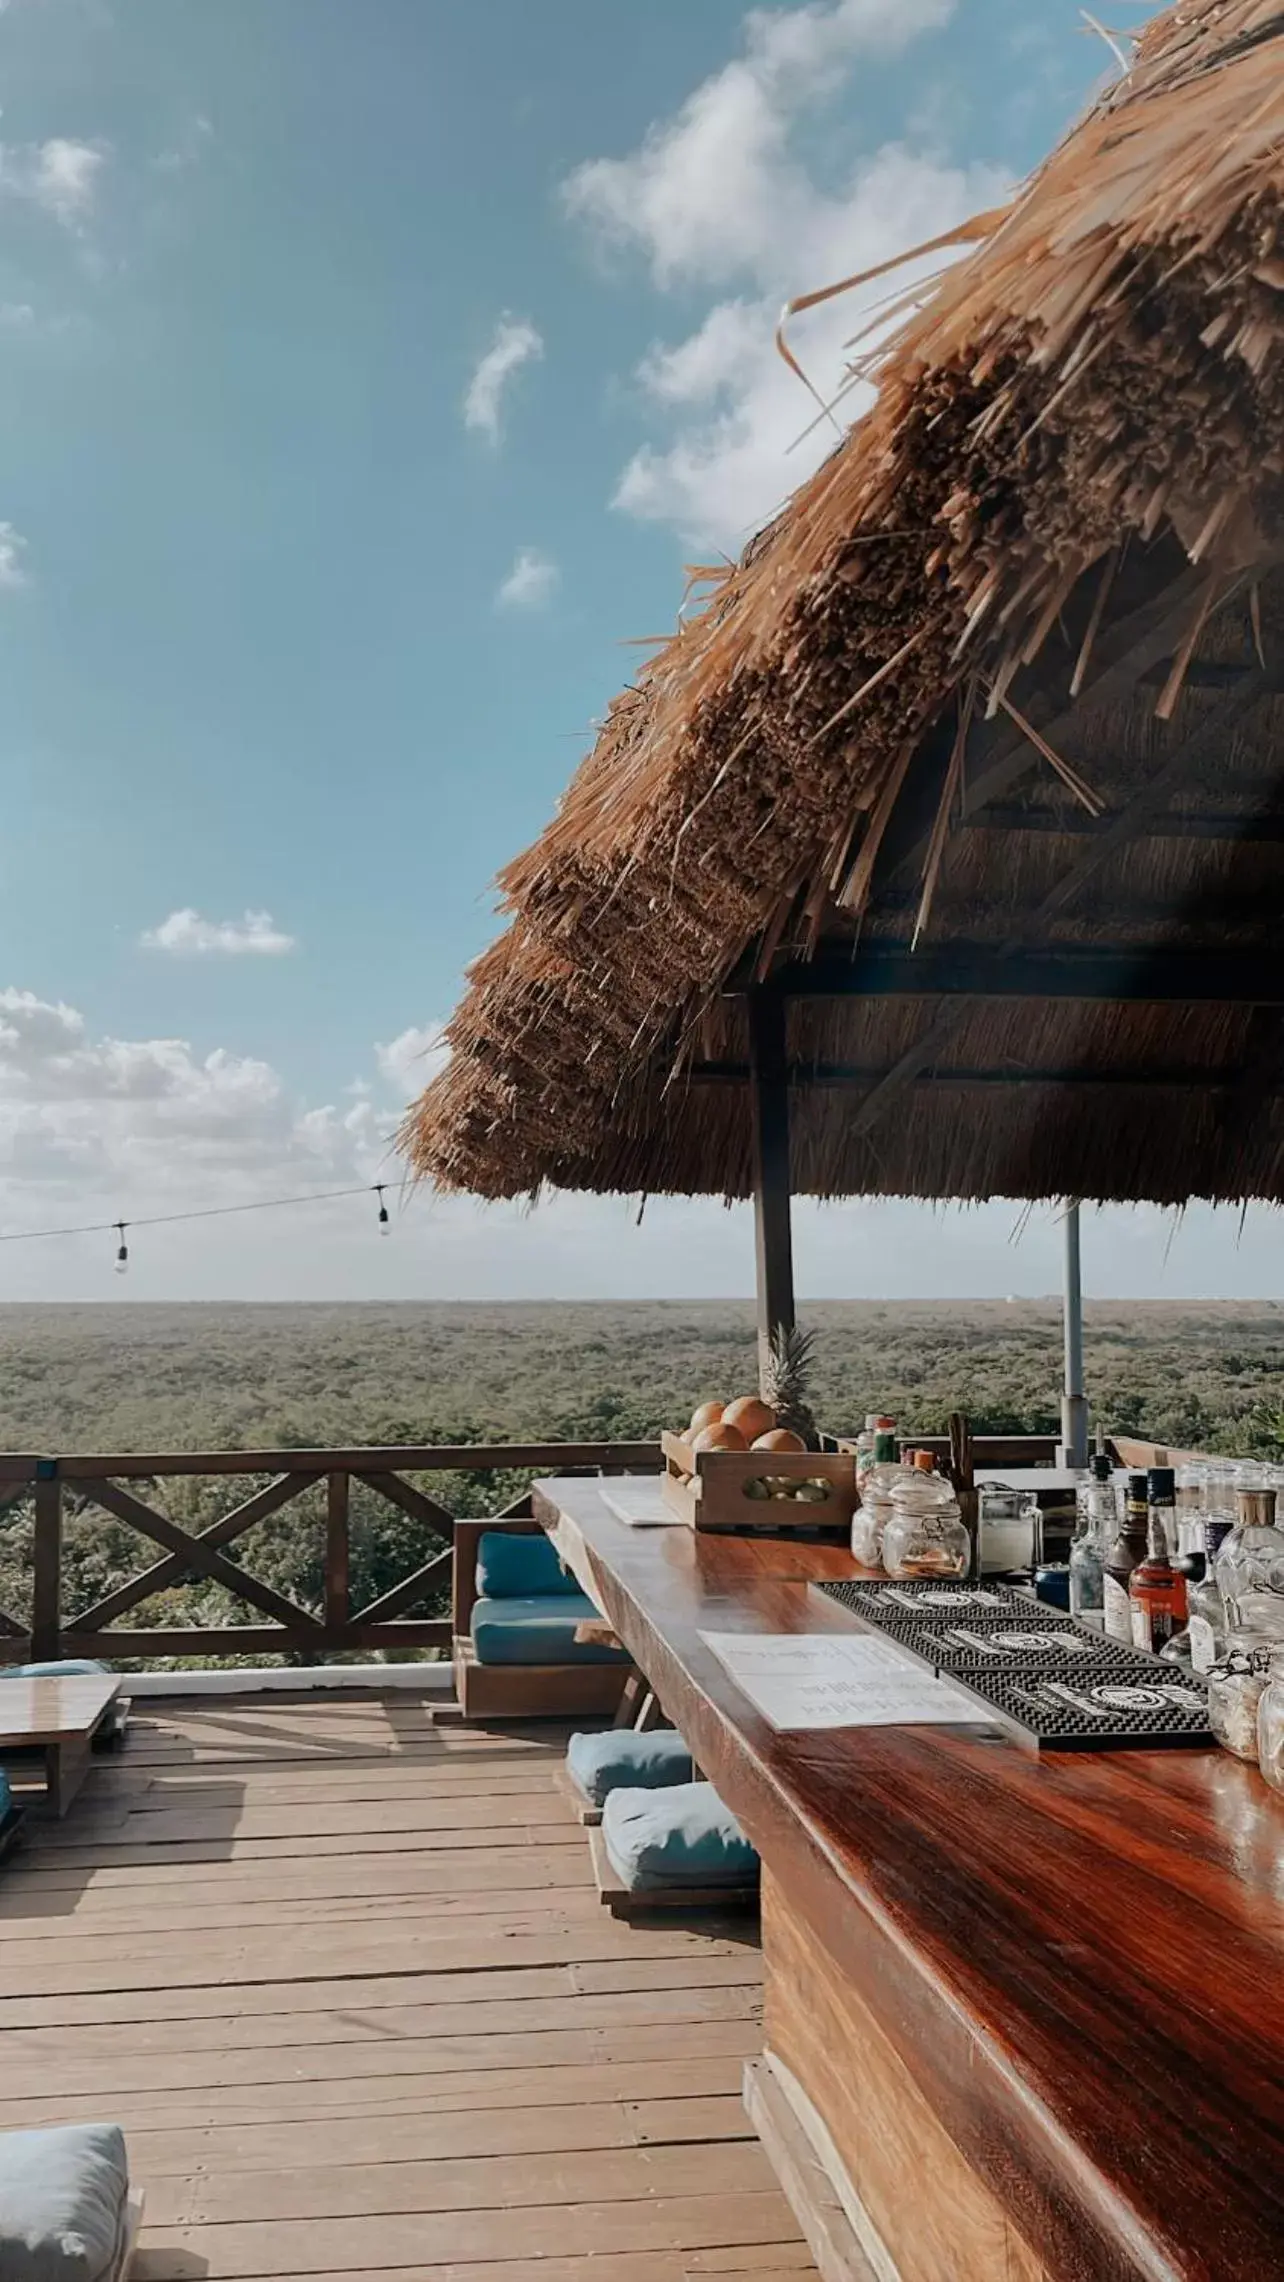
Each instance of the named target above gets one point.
<point>519,1691</point>
<point>49,1727</point>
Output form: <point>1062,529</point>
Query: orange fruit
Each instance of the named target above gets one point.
<point>780,1438</point>
<point>750,1416</point>
<point>709,1414</point>
<point>719,1436</point>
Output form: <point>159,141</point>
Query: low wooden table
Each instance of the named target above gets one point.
<point>51,1724</point>
<point>1023,2018</point>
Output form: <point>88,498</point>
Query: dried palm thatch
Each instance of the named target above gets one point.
<point>1053,533</point>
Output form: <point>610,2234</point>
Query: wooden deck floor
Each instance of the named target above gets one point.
<point>343,1978</point>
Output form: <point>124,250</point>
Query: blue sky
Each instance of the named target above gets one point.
<point>368,371</point>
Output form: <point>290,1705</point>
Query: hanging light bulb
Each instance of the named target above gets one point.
<point>383,1209</point>
<point>122,1251</point>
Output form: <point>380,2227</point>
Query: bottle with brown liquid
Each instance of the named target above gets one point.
<point>1126,1554</point>
<point>1156,1590</point>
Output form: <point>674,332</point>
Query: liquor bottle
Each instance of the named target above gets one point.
<point>1250,1566</point>
<point>1207,1626</point>
<point>1161,1497</point>
<point>1088,1552</point>
<point>1129,1548</point>
<point>1156,1592</point>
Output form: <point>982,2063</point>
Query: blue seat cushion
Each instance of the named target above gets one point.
<point>63,2196</point>
<point>539,1629</point>
<point>619,1758</point>
<point>514,1567</point>
<point>683,1836</point>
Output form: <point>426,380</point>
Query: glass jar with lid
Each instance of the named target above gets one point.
<point>1011,1528</point>
<point>1270,1721</point>
<point>1236,1685</point>
<point>925,1535</point>
<point>1250,1565</point>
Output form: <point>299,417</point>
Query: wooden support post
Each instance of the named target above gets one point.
<point>769,1095</point>
<point>338,1606</point>
<point>46,1582</point>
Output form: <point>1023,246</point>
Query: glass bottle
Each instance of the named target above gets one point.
<point>1129,1549</point>
<point>1156,1591</point>
<point>925,1534</point>
<point>865,1444</point>
<point>1236,1686</point>
<point>1207,1621</point>
<point>1088,1552</point>
<point>1250,1566</point>
<point>1270,1722</point>
<point>874,1510</point>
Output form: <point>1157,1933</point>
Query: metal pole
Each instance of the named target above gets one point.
<point>1074,1408</point>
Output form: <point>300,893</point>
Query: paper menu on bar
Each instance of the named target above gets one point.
<point>816,1680</point>
<point>638,1503</point>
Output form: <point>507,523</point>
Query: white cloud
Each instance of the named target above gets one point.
<point>516,343</point>
<point>720,196</point>
<point>531,583</point>
<point>186,935</point>
<point>413,1059</point>
<point>118,1121</point>
<point>59,175</point>
<point>12,548</point>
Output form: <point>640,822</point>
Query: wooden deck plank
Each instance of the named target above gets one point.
<point>343,1979</point>
<point>464,2239</point>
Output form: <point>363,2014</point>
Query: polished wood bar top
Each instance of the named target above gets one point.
<point>1078,1957</point>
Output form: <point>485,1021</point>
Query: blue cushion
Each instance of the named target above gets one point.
<point>684,1836</point>
<point>622,1758</point>
<point>537,1630</point>
<point>63,2204</point>
<point>512,1567</point>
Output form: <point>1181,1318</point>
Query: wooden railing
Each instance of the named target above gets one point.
<point>60,1487</point>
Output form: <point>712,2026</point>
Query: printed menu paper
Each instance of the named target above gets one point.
<point>638,1503</point>
<point>801,1680</point>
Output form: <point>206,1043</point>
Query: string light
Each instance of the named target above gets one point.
<point>118,1228</point>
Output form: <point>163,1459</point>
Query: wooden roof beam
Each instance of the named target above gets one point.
<point>839,1077</point>
<point>1122,974</point>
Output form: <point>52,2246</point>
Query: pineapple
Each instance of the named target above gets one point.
<point>785,1372</point>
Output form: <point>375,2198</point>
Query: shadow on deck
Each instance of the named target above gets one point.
<point>344,1978</point>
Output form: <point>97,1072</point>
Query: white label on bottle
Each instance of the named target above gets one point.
<point>1118,1611</point>
<point>1203,1644</point>
<point>1140,1627</point>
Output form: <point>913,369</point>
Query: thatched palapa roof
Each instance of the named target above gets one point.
<point>992,702</point>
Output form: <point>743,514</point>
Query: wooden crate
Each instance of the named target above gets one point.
<point>708,1490</point>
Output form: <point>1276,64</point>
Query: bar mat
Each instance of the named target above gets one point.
<point>1060,1683</point>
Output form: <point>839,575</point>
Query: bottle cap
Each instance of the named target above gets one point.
<point>884,1425</point>
<point>1101,1467</point>
<point>925,1462</point>
<point>1137,1486</point>
<point>1161,1485</point>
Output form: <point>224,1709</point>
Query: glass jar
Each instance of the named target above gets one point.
<point>925,1535</point>
<point>1010,1524</point>
<point>1236,1686</point>
<point>1250,1566</point>
<point>1270,1722</point>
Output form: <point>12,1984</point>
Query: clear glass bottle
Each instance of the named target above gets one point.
<point>1250,1566</point>
<point>1088,1552</point>
<point>1270,1722</point>
<point>1236,1686</point>
<point>925,1534</point>
<point>1206,1623</point>
<point>865,1444</point>
<point>1128,1550</point>
<point>875,1508</point>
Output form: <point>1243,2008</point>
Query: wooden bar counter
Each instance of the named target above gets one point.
<point>1029,2011</point>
